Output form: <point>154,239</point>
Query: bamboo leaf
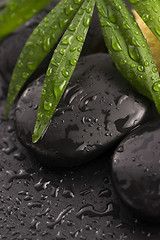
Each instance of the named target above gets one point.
<point>128,48</point>
<point>61,66</point>
<point>39,44</point>
<point>149,11</point>
<point>18,12</point>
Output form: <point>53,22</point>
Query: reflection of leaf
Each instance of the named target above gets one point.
<point>39,44</point>
<point>17,12</point>
<point>128,48</point>
<point>62,65</point>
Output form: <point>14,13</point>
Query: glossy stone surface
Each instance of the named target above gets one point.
<point>37,203</point>
<point>94,42</point>
<point>2,88</point>
<point>11,47</point>
<point>136,170</point>
<point>97,109</point>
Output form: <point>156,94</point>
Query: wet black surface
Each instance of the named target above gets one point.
<point>136,168</point>
<point>62,204</point>
<point>92,116</point>
<point>80,203</point>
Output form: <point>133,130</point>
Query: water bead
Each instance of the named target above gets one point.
<point>47,44</point>
<point>115,45</point>
<point>77,1</point>
<point>87,21</point>
<point>79,49</point>
<point>46,19</point>
<point>25,75</point>
<point>73,62</point>
<point>80,12</point>
<point>105,24</point>
<point>133,53</point>
<point>43,91</point>
<point>155,69</point>
<point>118,6</point>
<point>72,27</point>
<point>135,41</point>
<point>123,62</point>
<point>156,86</point>
<point>73,49</point>
<point>80,39</point>
<point>145,17</point>
<point>125,25</point>
<point>68,10</point>
<point>113,18</point>
<point>140,68</point>
<point>67,39</point>
<point>35,31</point>
<point>65,73</point>
<point>63,23</point>
<point>56,64</point>
<point>49,72</point>
<point>47,105</point>
<point>62,51</point>
<point>20,64</point>
<point>89,10</point>
<point>54,27</point>
<point>146,63</point>
<point>31,66</point>
<point>157,30</point>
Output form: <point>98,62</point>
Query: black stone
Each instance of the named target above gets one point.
<point>98,108</point>
<point>94,42</point>
<point>136,170</point>
<point>11,47</point>
<point>39,203</point>
<point>2,88</point>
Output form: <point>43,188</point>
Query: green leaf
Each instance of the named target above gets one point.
<point>61,66</point>
<point>39,44</point>
<point>18,12</point>
<point>149,11</point>
<point>128,48</point>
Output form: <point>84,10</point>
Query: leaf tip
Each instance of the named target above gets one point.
<point>37,133</point>
<point>35,137</point>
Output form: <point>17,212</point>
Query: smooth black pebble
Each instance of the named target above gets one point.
<point>136,170</point>
<point>97,109</point>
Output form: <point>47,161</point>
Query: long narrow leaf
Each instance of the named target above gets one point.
<point>128,48</point>
<point>40,44</point>
<point>62,65</point>
<point>149,11</point>
<point>18,12</point>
